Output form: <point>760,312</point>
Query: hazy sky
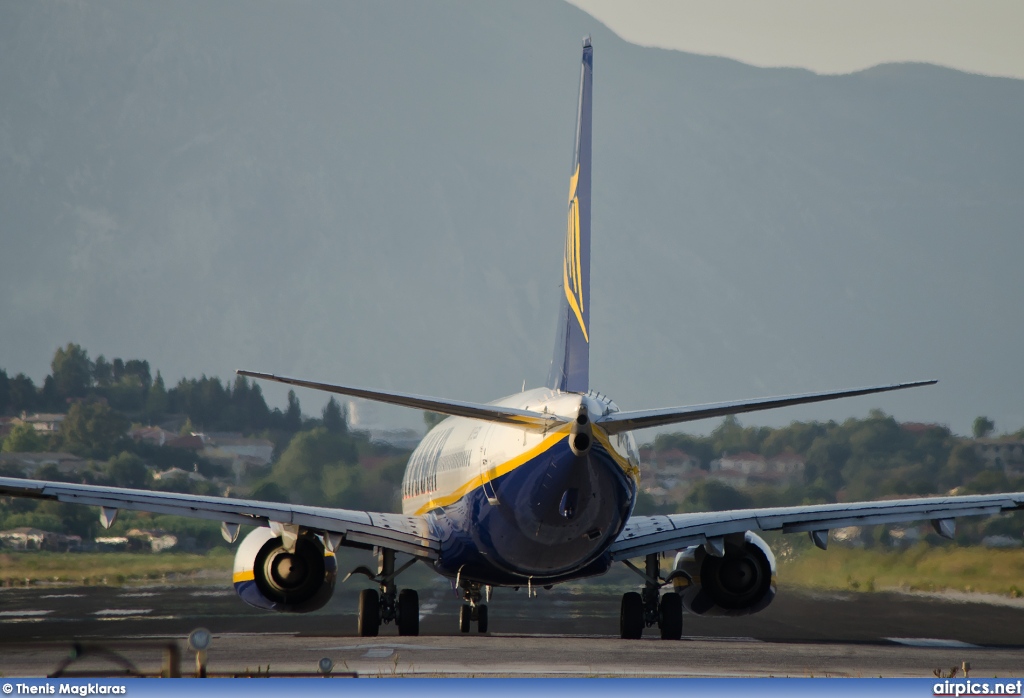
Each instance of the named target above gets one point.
<point>828,36</point>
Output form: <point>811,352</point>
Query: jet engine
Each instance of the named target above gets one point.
<point>267,576</point>
<point>738,583</point>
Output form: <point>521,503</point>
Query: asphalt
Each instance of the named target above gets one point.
<point>569,630</point>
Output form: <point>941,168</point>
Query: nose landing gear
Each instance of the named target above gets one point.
<point>472,610</point>
<point>645,609</point>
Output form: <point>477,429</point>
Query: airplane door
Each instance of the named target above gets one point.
<point>486,462</point>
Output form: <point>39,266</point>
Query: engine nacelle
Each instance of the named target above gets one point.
<point>737,584</point>
<point>269,577</point>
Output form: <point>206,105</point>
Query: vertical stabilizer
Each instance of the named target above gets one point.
<point>570,367</point>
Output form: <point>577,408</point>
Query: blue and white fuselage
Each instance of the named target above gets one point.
<point>513,506</point>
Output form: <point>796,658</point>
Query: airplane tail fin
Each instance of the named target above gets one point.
<point>570,366</point>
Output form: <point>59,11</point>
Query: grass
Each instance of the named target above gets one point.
<point>921,568</point>
<point>111,569</point>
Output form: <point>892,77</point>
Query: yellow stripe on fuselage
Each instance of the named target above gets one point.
<point>630,469</point>
<point>495,472</point>
<point>524,457</point>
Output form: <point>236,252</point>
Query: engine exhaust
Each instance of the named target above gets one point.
<point>581,435</point>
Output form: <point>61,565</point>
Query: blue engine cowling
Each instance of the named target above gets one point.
<point>739,583</point>
<point>269,577</point>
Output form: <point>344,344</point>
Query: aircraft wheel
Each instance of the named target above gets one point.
<point>369,613</point>
<point>481,619</point>
<point>408,612</point>
<point>670,616</point>
<point>631,616</point>
<point>465,617</point>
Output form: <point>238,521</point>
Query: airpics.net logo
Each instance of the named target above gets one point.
<point>977,688</point>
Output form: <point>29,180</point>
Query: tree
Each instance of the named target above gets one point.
<point>293,416</point>
<point>49,398</point>
<point>712,495</point>
<point>962,465</point>
<point>92,430</point>
<point>24,396</point>
<point>138,370</point>
<point>156,400</point>
<point>5,392</point>
<point>249,412</point>
<point>269,492</point>
<point>72,371</point>
<point>334,419</point>
<point>128,470</point>
<point>983,426</point>
<point>24,438</point>
<point>314,468</point>
<point>102,372</point>
<point>731,437</point>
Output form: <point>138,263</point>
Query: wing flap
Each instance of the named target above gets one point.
<point>408,534</point>
<point>617,422</point>
<point>489,413</point>
<point>649,534</point>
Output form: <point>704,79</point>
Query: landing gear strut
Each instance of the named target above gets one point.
<point>389,604</point>
<point>648,608</point>
<point>472,610</point>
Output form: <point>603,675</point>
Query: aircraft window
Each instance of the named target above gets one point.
<point>420,474</point>
<point>453,461</point>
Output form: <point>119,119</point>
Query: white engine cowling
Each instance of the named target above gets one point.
<point>269,577</point>
<point>739,583</point>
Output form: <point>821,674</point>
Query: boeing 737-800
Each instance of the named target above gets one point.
<point>527,491</point>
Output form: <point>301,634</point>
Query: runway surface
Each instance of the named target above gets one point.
<point>567,631</point>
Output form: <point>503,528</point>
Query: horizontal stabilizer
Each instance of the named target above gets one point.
<point>489,413</point>
<point>642,419</point>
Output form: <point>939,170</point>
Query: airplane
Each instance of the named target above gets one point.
<point>530,490</point>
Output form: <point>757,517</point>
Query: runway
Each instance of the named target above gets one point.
<point>567,631</point>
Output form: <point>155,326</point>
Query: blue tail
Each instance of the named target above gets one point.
<point>570,367</point>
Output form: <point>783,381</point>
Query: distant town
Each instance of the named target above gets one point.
<point>112,422</point>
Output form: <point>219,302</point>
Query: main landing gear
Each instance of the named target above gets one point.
<point>644,609</point>
<point>389,604</point>
<point>472,610</point>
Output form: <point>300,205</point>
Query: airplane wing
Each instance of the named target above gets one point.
<point>362,529</point>
<point>616,422</point>
<point>651,534</point>
<point>490,413</point>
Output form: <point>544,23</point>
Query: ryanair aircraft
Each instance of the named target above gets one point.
<point>530,490</point>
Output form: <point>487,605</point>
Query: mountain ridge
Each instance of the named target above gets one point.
<point>375,195</point>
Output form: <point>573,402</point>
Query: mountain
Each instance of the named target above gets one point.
<point>374,193</point>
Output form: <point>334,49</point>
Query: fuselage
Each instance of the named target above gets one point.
<point>514,506</point>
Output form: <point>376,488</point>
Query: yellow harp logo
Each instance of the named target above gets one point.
<point>572,273</point>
